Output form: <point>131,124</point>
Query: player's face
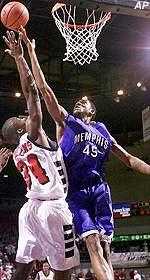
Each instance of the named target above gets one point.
<point>82,108</point>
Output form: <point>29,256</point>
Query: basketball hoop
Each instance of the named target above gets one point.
<point>80,38</point>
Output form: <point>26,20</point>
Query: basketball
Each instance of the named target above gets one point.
<point>13,15</point>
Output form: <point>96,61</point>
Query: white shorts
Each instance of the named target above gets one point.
<point>45,230</point>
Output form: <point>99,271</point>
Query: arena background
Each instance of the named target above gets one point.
<point>124,60</point>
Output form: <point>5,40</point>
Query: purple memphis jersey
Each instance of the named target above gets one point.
<point>85,147</point>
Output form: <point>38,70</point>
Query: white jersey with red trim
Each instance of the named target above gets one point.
<point>43,170</point>
<point>43,277</point>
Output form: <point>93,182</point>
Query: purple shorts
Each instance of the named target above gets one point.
<point>92,211</point>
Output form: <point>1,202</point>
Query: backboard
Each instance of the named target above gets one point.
<point>126,7</point>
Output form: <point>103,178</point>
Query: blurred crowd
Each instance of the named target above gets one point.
<point>88,275</point>
<point>8,244</point>
<point>119,275</point>
<point>131,275</point>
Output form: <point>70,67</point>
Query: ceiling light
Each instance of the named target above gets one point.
<point>17,94</point>
<point>139,84</point>
<point>120,92</point>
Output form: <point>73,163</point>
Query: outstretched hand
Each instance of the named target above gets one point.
<point>15,48</point>
<point>29,43</point>
<point>4,157</point>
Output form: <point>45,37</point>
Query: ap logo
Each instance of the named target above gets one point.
<point>141,5</point>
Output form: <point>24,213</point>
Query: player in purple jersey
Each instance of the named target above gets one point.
<point>85,146</point>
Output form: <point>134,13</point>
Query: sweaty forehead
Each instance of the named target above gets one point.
<point>83,100</point>
<point>86,101</point>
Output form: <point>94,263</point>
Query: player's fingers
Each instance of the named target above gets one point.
<point>22,30</point>
<point>8,35</point>
<point>20,39</point>
<point>33,42</point>
<point>1,150</point>
<point>24,34</point>
<point>8,51</point>
<point>13,37</point>
<point>7,154</point>
<point>6,41</point>
<point>6,151</point>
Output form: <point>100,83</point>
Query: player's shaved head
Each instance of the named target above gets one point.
<point>9,129</point>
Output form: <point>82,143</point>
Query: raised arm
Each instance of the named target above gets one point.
<point>28,84</point>
<point>57,112</point>
<point>130,160</point>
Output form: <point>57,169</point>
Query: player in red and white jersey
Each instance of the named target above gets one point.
<point>42,168</point>
<point>45,222</point>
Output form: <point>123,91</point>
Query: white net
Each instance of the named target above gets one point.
<point>80,38</point>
